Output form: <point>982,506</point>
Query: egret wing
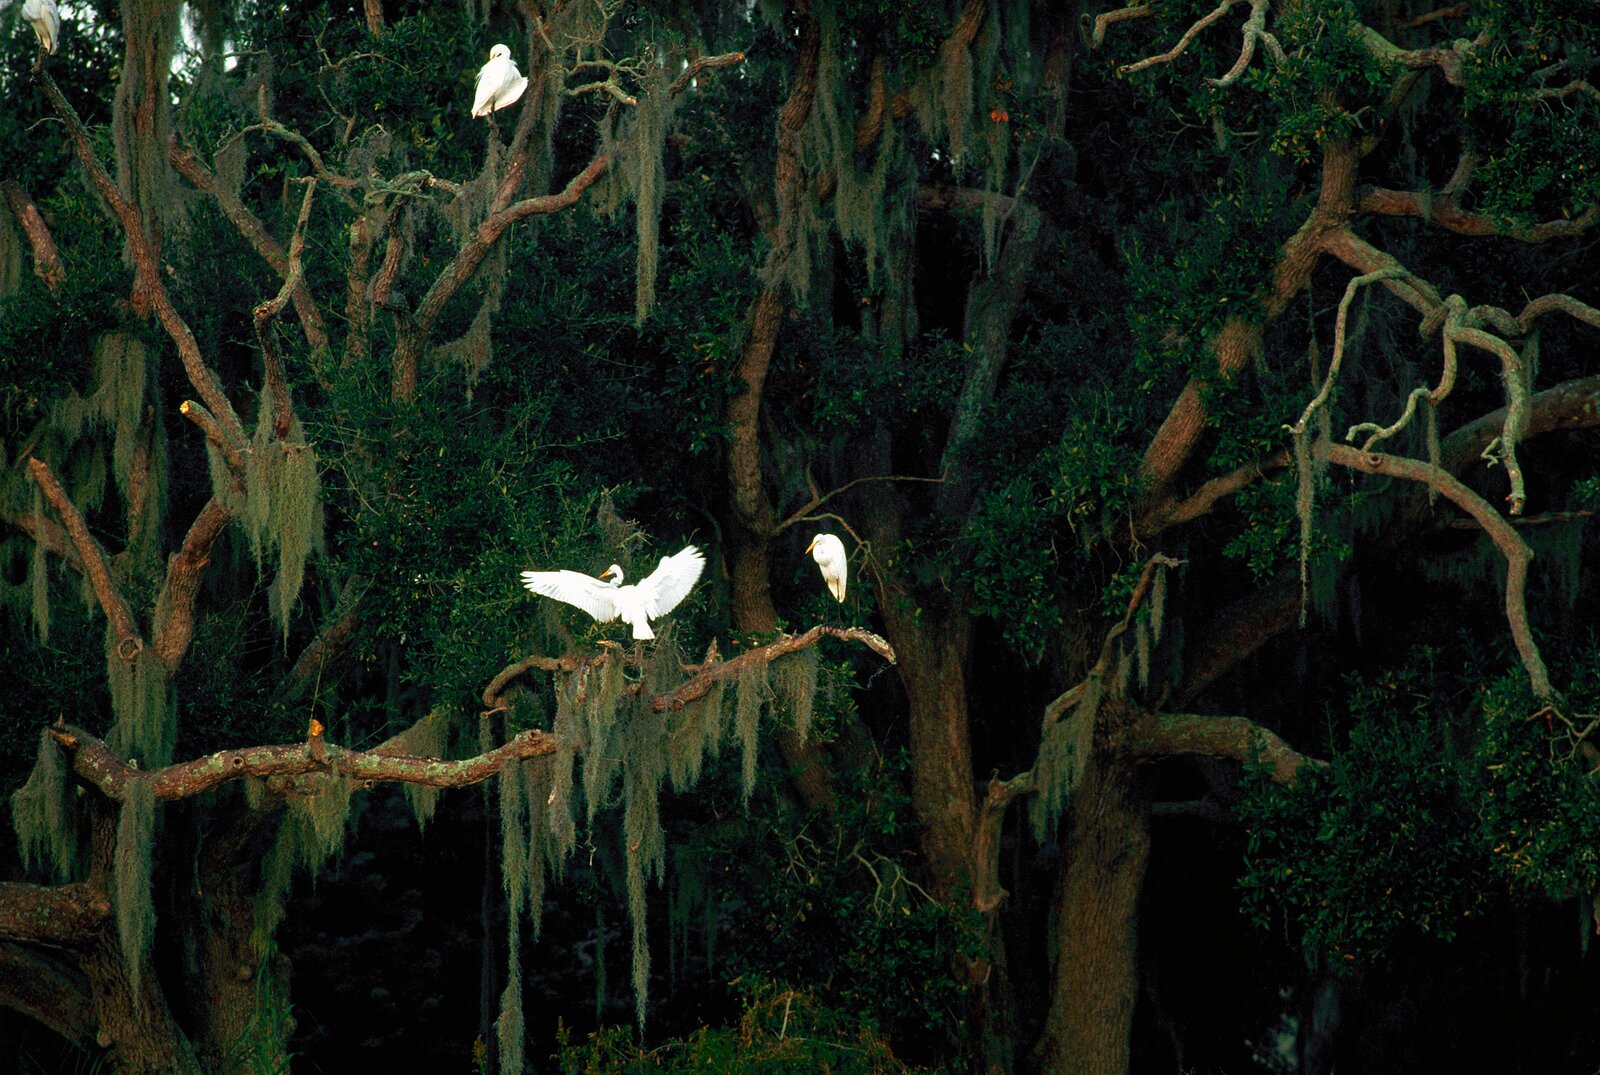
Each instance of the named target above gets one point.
<point>492,77</point>
<point>671,581</point>
<point>576,589</point>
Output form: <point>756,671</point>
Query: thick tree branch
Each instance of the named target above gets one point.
<point>255,233</point>
<point>231,451</point>
<point>94,762</point>
<point>46,262</point>
<point>185,571</point>
<point>1106,19</point>
<point>93,558</point>
<point>48,991</point>
<point>1440,210</point>
<point>1166,735</point>
<point>987,893</point>
<point>56,915</point>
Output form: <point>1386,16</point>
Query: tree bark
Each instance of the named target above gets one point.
<point>1096,979</point>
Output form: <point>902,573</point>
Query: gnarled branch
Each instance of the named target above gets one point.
<point>698,686</point>
<point>46,262</point>
<point>92,556</point>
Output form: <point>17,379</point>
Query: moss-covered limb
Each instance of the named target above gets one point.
<point>92,556</point>
<point>329,645</point>
<point>48,991</point>
<point>1441,211</point>
<point>95,764</point>
<point>1448,59</point>
<point>175,628</point>
<point>55,915</point>
<point>255,233</point>
<point>1497,527</point>
<point>148,280</point>
<point>46,261</point>
<point>697,687</point>
<point>1320,400</point>
<point>1559,303</point>
<point>1356,252</point>
<point>494,694</point>
<point>46,533</point>
<point>231,452</point>
<point>1167,735</point>
<point>1106,19</point>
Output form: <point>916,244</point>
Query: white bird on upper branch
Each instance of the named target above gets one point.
<point>46,22</point>
<point>828,552</point>
<point>634,605</point>
<point>499,83</point>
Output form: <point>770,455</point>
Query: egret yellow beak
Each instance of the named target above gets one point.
<point>812,545</point>
<point>604,575</point>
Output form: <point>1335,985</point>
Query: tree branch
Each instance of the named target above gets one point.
<point>698,686</point>
<point>1183,42</point>
<point>1441,211</point>
<point>185,571</point>
<point>275,383</point>
<point>987,893</point>
<point>46,262</point>
<point>94,762</point>
<point>1167,735</point>
<point>414,334</point>
<point>93,558</point>
<point>60,916</point>
<point>48,991</point>
<point>255,233</point>
<point>1497,527</point>
<point>147,273</point>
<point>1122,14</point>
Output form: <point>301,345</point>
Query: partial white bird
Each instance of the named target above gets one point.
<point>634,605</point>
<point>499,83</point>
<point>46,22</point>
<point>828,552</point>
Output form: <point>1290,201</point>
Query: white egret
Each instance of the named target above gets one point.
<point>46,22</point>
<point>828,552</point>
<point>634,605</point>
<point>499,83</point>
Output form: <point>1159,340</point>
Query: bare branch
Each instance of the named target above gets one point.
<point>1212,493</point>
<point>46,262</point>
<point>184,573</point>
<point>415,333</point>
<point>1255,30</point>
<point>92,556</point>
<point>1321,398</point>
<point>1183,42</point>
<point>232,452</point>
<point>1451,12</point>
<point>94,762</point>
<point>819,499</point>
<point>700,684</point>
<point>987,893</point>
<point>1441,211</point>
<point>56,915</point>
<point>1122,14</point>
<point>1497,527</point>
<point>1553,304</point>
<point>276,384</point>
<point>699,66</point>
<point>255,233</point>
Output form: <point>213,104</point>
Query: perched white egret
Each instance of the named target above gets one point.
<point>634,605</point>
<point>499,83</point>
<point>828,552</point>
<point>46,22</point>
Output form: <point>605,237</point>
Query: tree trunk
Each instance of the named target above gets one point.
<point>1096,980</point>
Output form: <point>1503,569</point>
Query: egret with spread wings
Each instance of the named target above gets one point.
<point>634,605</point>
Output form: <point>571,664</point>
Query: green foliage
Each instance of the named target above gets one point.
<point>1539,807</point>
<point>1379,844</point>
<point>782,1030</point>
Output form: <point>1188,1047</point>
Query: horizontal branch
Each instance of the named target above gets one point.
<point>1167,735</point>
<point>698,686</point>
<point>1441,211</point>
<point>55,915</point>
<point>94,762</point>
